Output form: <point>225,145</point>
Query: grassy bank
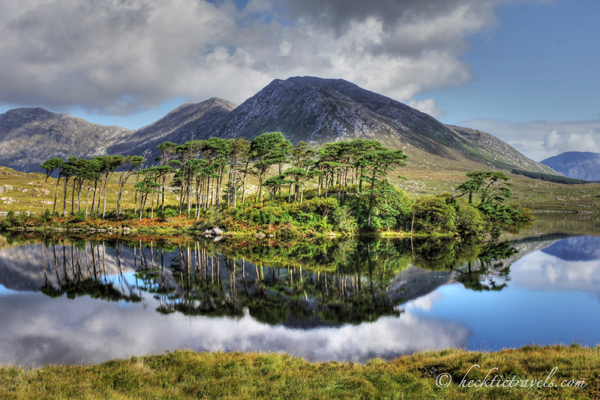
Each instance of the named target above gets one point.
<point>186,374</point>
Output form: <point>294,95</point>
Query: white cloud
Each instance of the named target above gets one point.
<point>120,56</point>
<point>539,140</point>
<point>428,106</point>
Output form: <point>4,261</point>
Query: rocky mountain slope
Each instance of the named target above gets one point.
<point>323,110</point>
<point>302,108</point>
<point>189,121</point>
<point>30,136</point>
<point>490,147</point>
<point>576,164</point>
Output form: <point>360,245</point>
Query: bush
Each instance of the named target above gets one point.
<point>210,220</point>
<point>10,214</point>
<point>80,216</point>
<point>433,214</point>
<point>170,213</point>
<point>344,219</point>
<point>469,220</point>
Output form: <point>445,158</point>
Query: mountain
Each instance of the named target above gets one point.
<point>302,108</point>
<point>576,164</point>
<point>504,156</point>
<point>178,126</point>
<point>324,110</point>
<point>30,136</point>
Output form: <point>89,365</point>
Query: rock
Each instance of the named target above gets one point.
<point>260,235</point>
<point>20,228</point>
<point>217,232</point>
<point>58,229</point>
<point>30,228</point>
<point>92,230</point>
<point>207,233</point>
<point>271,235</point>
<point>8,188</point>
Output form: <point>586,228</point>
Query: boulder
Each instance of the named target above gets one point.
<point>217,232</point>
<point>261,235</point>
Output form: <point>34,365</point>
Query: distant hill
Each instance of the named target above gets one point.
<point>576,164</point>
<point>303,108</point>
<point>29,136</point>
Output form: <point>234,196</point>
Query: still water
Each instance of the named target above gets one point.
<point>65,300</point>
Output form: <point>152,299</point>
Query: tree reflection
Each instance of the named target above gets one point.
<point>91,281</point>
<point>320,281</point>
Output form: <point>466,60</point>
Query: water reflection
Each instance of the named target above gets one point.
<point>348,300</point>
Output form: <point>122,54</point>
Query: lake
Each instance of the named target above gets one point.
<point>65,300</point>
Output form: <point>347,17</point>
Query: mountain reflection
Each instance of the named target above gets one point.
<point>325,300</point>
<point>324,283</point>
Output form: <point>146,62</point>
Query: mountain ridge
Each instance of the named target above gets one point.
<point>302,108</point>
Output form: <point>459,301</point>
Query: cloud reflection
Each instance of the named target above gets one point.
<point>37,330</point>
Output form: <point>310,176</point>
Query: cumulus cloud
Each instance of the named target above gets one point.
<point>542,139</point>
<point>121,56</point>
<point>428,106</point>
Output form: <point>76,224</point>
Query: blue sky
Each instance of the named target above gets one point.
<point>523,70</point>
<point>541,63</point>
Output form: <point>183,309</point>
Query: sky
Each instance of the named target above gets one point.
<point>523,70</point>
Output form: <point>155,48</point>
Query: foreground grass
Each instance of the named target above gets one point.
<point>186,374</point>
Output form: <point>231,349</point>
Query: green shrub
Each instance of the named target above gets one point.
<point>469,220</point>
<point>344,219</point>
<point>433,214</point>
<point>80,216</point>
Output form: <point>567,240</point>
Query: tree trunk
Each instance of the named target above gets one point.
<point>55,195</point>
<point>87,200</point>
<point>163,194</point>
<point>104,206</point>
<point>44,194</point>
<point>189,196</point>
<point>142,204</point>
<point>65,198</point>
<point>244,186</point>
<point>73,196</point>
<point>79,199</point>
<point>94,198</point>
<point>152,207</point>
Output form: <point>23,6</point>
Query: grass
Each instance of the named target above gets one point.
<point>191,375</point>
